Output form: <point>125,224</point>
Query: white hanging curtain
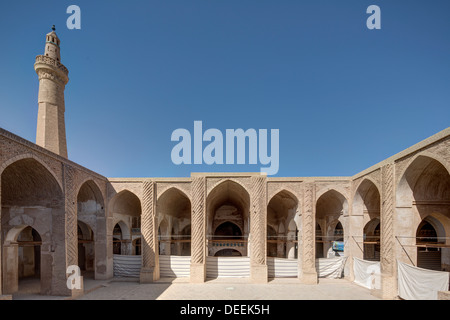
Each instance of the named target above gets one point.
<point>330,267</point>
<point>174,266</point>
<point>127,266</point>
<point>367,273</point>
<point>420,284</point>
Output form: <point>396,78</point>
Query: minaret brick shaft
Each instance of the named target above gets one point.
<point>53,77</point>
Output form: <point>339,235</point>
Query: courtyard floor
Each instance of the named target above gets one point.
<point>214,289</point>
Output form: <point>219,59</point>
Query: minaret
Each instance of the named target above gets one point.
<point>53,77</point>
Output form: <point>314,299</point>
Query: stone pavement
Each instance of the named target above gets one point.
<point>216,289</point>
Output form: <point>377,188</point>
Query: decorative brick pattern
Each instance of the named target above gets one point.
<point>198,220</point>
<point>387,219</point>
<point>71,216</point>
<point>308,229</point>
<point>148,224</point>
<point>258,212</point>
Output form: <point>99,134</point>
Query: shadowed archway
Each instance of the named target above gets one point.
<point>282,230</point>
<point>173,210</point>
<point>227,207</point>
<point>127,211</point>
<point>32,203</point>
<point>331,210</point>
<point>423,196</point>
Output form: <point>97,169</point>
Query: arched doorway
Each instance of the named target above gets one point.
<point>423,196</point>
<point>331,212</point>
<point>337,246</point>
<point>90,213</point>
<point>174,217</point>
<point>282,226</point>
<point>32,203</point>
<point>366,216</point>
<point>121,239</point>
<point>86,250</point>
<point>372,240</point>
<point>429,243</point>
<point>227,230</point>
<point>127,211</point>
<point>227,209</point>
<point>338,232</point>
<point>29,261</point>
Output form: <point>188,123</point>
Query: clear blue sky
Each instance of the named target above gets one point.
<point>343,97</point>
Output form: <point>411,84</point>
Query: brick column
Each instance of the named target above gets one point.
<point>71,216</point>
<point>9,267</point>
<point>388,265</point>
<point>198,230</point>
<point>306,256</point>
<point>71,232</point>
<point>149,235</point>
<point>258,230</point>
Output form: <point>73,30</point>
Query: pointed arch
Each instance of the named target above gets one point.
<point>283,224</point>
<point>227,201</point>
<point>172,189</point>
<point>337,189</point>
<point>173,202</point>
<point>90,199</point>
<point>91,186</point>
<point>124,230</point>
<point>125,202</point>
<point>228,190</point>
<point>424,179</point>
<point>125,207</point>
<point>431,234</point>
<point>423,194</point>
<point>331,215</point>
<point>226,180</point>
<point>24,156</point>
<point>23,258</point>
<point>284,206</point>
<point>331,202</point>
<point>371,240</point>
<point>367,199</point>
<point>29,181</point>
<point>173,207</point>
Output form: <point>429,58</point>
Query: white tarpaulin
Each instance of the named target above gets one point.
<point>174,266</point>
<point>127,266</point>
<point>282,268</point>
<point>330,267</point>
<point>367,273</point>
<point>222,267</point>
<point>420,284</point>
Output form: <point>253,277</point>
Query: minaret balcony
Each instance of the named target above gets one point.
<point>45,62</point>
<point>53,62</point>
